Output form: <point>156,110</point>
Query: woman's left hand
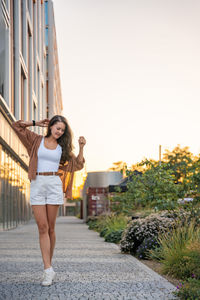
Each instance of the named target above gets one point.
<point>82,141</point>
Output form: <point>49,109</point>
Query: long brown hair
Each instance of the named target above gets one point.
<point>65,141</point>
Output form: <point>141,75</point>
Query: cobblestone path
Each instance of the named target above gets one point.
<point>86,266</point>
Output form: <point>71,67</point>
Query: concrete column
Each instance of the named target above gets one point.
<point>35,48</point>
<point>39,29</point>
<point>17,66</point>
<point>30,64</point>
<point>7,83</point>
<point>43,65</point>
<point>50,59</point>
<point>38,98</point>
<point>30,75</point>
<point>31,78</point>
<point>25,56</point>
<point>24,31</point>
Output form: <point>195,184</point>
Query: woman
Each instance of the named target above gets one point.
<point>51,168</point>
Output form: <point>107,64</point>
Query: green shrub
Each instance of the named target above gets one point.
<point>92,222</point>
<point>109,226</point>
<point>91,218</point>
<point>185,215</point>
<point>103,231</point>
<point>155,187</point>
<point>114,236</point>
<point>155,253</point>
<point>114,226</point>
<point>193,214</point>
<point>189,290</point>
<point>180,251</point>
<point>97,223</point>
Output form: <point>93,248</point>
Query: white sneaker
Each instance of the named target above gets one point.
<point>48,277</point>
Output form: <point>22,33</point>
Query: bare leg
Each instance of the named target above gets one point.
<point>40,214</point>
<point>52,211</point>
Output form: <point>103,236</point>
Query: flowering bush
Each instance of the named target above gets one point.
<point>185,216</point>
<point>140,229</point>
<point>189,289</point>
<point>147,244</point>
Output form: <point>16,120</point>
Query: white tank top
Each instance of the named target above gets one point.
<point>48,160</point>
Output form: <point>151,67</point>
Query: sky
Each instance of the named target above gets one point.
<point>130,72</point>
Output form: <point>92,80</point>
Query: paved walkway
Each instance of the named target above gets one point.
<point>86,266</point>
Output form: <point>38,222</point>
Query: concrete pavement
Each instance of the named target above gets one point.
<point>86,266</point>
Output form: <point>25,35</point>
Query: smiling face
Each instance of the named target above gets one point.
<point>57,129</point>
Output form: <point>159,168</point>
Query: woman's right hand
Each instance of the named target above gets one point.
<point>42,123</point>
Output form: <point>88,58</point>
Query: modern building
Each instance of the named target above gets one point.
<point>53,89</point>
<point>29,89</point>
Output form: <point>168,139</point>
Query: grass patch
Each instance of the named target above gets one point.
<point>179,251</point>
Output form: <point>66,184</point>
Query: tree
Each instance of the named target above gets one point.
<point>194,178</point>
<point>119,166</point>
<point>180,161</point>
<point>153,188</point>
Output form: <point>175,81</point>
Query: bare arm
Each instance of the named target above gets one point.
<point>42,123</point>
<point>27,136</point>
<point>82,143</point>
<point>77,162</point>
<point>80,155</point>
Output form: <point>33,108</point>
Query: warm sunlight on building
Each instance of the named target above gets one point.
<point>79,180</point>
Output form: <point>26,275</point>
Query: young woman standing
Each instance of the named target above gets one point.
<point>51,168</point>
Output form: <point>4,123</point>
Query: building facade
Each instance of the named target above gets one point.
<point>28,75</point>
<point>53,88</point>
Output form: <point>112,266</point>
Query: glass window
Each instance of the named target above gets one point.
<point>38,27</point>
<point>22,94</point>
<point>46,12</point>
<point>34,111</point>
<point>14,192</point>
<point>29,5</point>
<point>29,71</point>
<point>47,64</point>
<point>38,84</point>
<point>22,26</point>
<point>2,54</point>
<point>12,55</point>
<point>46,36</point>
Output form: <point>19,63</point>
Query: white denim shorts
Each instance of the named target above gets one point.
<point>46,190</point>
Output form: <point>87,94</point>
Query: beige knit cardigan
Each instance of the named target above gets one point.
<point>31,141</point>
